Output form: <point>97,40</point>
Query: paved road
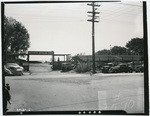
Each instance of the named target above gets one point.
<point>47,90</point>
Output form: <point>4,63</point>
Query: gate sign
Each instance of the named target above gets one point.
<point>40,52</point>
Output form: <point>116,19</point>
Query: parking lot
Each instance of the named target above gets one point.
<point>45,90</point>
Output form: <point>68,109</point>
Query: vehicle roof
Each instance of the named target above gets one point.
<point>106,66</point>
<point>110,63</point>
<point>115,67</point>
<point>122,64</point>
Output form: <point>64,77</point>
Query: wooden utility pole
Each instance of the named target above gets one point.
<point>93,20</point>
<point>28,60</point>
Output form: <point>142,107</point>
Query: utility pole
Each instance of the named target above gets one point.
<point>93,20</point>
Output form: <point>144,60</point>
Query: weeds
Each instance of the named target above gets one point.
<point>83,67</point>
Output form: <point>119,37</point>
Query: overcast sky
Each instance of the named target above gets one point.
<point>63,27</point>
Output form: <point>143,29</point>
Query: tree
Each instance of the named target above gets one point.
<point>16,36</point>
<point>136,46</point>
<point>103,52</point>
<point>118,50</point>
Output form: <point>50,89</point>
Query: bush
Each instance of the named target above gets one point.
<point>83,67</point>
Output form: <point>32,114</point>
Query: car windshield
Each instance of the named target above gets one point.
<point>13,64</point>
<point>116,66</point>
<point>106,66</point>
<point>17,67</point>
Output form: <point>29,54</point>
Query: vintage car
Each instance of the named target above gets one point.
<point>15,69</point>
<point>105,69</point>
<point>7,72</point>
<point>139,68</point>
<point>121,68</point>
<point>8,65</point>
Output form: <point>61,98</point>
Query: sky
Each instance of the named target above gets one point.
<point>63,27</point>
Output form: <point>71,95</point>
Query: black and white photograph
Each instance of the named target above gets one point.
<point>74,57</point>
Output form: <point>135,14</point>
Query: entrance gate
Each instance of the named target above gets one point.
<point>66,56</point>
<point>39,53</point>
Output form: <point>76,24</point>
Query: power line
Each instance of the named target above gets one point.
<point>129,4</point>
<point>108,15</point>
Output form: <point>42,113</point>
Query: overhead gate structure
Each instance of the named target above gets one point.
<point>41,53</point>
<point>38,53</point>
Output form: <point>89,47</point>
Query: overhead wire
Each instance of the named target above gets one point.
<point>128,13</point>
<point>125,10</point>
<point>123,3</point>
<point>59,16</point>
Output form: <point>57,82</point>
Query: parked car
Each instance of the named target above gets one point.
<point>66,67</point>
<point>105,69</point>
<point>121,68</point>
<point>7,72</point>
<point>142,68</point>
<point>139,68</point>
<point>110,64</point>
<point>15,69</point>
<point>8,65</point>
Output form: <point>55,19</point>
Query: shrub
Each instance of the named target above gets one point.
<point>83,67</point>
